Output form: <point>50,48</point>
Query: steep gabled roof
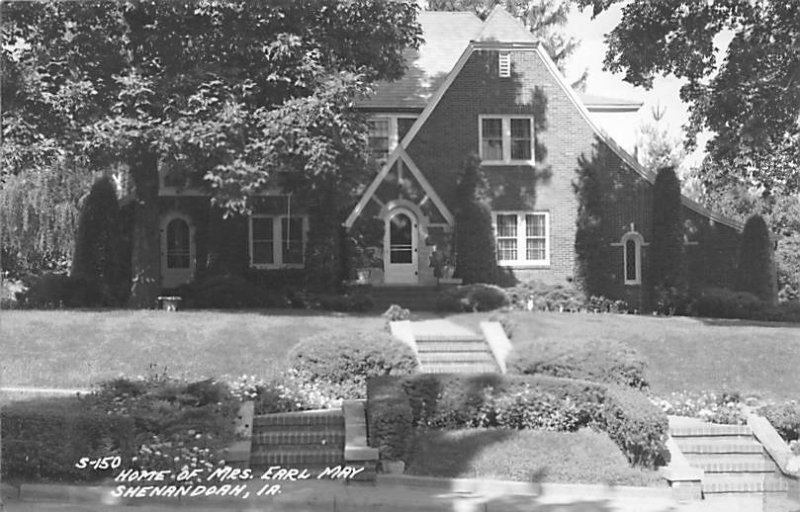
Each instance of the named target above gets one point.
<point>502,27</point>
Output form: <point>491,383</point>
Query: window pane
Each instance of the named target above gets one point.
<point>262,228</point>
<point>403,125</point>
<point>534,225</point>
<point>507,249</point>
<point>492,129</point>
<point>492,139</point>
<point>178,252</point>
<point>379,137</point>
<point>292,240</point>
<point>630,260</point>
<point>535,250</point>
<point>506,225</point>
<point>520,139</point>
<point>262,253</point>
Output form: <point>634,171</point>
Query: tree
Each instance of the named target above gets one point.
<point>231,93</point>
<point>657,148</point>
<point>474,235</point>
<point>750,101</point>
<point>591,246</point>
<point>544,18</point>
<point>756,273</point>
<point>667,254</point>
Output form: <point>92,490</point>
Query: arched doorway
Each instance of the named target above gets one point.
<point>177,250</point>
<point>400,247</point>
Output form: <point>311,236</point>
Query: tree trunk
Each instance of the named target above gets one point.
<point>145,256</point>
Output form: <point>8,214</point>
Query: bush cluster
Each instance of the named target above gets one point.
<point>348,303</point>
<point>537,296</point>
<point>539,402</point>
<point>53,291</point>
<point>351,357</point>
<point>230,292</point>
<point>785,418</point>
<point>723,303</point>
<point>155,423</point>
<point>600,360</point>
<point>472,297</point>
<point>389,418</point>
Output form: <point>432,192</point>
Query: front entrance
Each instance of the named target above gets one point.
<point>177,251</point>
<point>400,248</point>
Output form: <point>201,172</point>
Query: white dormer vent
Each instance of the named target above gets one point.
<point>504,65</point>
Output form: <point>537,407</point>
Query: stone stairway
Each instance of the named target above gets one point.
<point>733,460</point>
<point>313,440</point>
<point>444,347</point>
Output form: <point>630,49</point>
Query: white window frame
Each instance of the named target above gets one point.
<point>394,139</point>
<point>522,245</point>
<point>277,241</point>
<point>504,65</point>
<point>506,123</point>
<point>639,241</point>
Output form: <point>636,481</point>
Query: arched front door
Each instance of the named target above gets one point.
<point>177,251</point>
<point>400,247</point>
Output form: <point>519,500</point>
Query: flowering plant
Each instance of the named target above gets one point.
<point>724,408</point>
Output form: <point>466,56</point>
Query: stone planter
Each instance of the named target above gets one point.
<point>169,303</point>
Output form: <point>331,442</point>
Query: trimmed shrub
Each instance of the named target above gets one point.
<point>473,297</point>
<point>756,272</point>
<point>490,400</point>
<point>357,302</point>
<point>50,291</point>
<point>351,357</point>
<point>474,234</point>
<point>230,292</point>
<point>785,418</point>
<point>668,258</point>
<point>389,418</point>
<point>599,360</point>
<point>722,303</point>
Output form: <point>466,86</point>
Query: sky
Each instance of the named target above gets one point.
<point>664,94</point>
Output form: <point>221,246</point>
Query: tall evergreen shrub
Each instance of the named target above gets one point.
<point>97,243</point>
<point>756,264</point>
<point>474,236</point>
<point>591,247</point>
<point>667,253</point>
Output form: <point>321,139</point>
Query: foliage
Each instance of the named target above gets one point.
<point>54,291</point>
<point>598,359</point>
<point>351,357</point>
<point>750,100</point>
<point>668,257</point>
<point>725,408</point>
<point>239,97</point>
<point>473,297</point>
<point>538,296</point>
<point>756,272</point>
<point>458,401</point>
<point>785,418</point>
<point>356,302</point>
<point>787,262</point>
<point>474,234</point>
<point>156,423</point>
<point>591,243</point>
<point>230,292</point>
<point>546,19</point>
<point>389,418</point>
<point>396,313</point>
<point>657,149</point>
<point>723,303</point>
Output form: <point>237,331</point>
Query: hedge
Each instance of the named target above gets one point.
<point>473,297</point>
<point>343,357</point>
<point>515,401</point>
<point>785,418</point>
<point>389,417</point>
<point>600,360</point>
<point>723,303</point>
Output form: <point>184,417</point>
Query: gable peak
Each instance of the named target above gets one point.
<point>501,26</point>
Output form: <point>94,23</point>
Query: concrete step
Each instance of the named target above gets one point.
<point>459,368</point>
<point>710,430</point>
<point>719,445</point>
<point>305,455</point>
<point>452,346</point>
<point>456,338</point>
<point>325,436</point>
<point>743,483</point>
<point>736,463</point>
<point>456,357</point>
<point>332,417</point>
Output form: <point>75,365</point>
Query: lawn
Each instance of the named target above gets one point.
<point>80,348</point>
<point>525,455</point>
<point>691,354</point>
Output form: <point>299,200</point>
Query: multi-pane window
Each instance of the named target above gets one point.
<point>277,240</point>
<point>386,132</point>
<point>632,257</point>
<point>506,139</point>
<point>178,247</point>
<point>522,238</point>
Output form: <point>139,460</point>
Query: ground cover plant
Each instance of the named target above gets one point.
<point>584,456</point>
<point>681,353</point>
<point>80,348</point>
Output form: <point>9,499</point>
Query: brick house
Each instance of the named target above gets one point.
<point>482,87</point>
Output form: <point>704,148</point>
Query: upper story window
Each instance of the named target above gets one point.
<point>506,139</point>
<point>523,238</point>
<point>277,241</point>
<point>504,65</point>
<point>385,133</point>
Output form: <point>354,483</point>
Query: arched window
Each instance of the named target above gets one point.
<point>632,257</point>
<point>178,250</point>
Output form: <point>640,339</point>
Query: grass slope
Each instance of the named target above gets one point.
<point>525,455</point>
<point>81,348</point>
<point>691,354</point>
